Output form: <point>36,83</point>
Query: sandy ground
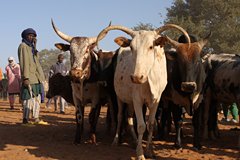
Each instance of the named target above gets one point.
<point>55,141</point>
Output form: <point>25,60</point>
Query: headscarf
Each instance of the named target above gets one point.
<point>11,59</point>
<point>28,31</point>
<point>25,40</point>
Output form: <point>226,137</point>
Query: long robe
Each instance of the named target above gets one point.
<point>14,78</point>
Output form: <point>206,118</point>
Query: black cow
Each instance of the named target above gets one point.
<point>186,76</point>
<point>223,86</point>
<point>60,85</point>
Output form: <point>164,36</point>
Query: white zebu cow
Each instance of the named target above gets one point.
<point>140,76</point>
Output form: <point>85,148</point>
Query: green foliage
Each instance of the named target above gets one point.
<point>143,26</point>
<point>49,57</point>
<point>199,17</point>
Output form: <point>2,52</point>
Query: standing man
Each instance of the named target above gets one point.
<point>32,75</point>
<point>14,79</point>
<point>59,67</point>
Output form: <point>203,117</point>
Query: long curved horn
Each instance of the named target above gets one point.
<point>169,26</point>
<point>60,34</point>
<point>204,41</point>
<point>93,40</point>
<point>104,32</point>
<point>172,42</point>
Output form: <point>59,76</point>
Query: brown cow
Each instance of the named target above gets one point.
<point>186,77</point>
<point>84,72</point>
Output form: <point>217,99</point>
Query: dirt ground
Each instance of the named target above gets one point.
<point>55,141</point>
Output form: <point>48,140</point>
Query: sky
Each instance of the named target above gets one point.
<point>74,18</point>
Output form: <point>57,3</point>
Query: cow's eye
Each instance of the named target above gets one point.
<point>151,47</point>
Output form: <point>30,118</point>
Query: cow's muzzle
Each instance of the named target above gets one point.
<point>138,79</point>
<point>189,87</point>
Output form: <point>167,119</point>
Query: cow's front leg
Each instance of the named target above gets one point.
<point>111,116</point>
<point>108,120</point>
<point>119,123</point>
<point>163,117</point>
<point>131,124</point>
<point>213,121</point>
<point>114,107</point>
<point>178,120</point>
<point>141,127</point>
<point>159,120</point>
<point>196,121</point>
<point>93,119</point>
<point>150,126</point>
<point>79,123</point>
<point>206,113</point>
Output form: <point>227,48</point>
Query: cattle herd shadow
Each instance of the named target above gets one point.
<point>228,141</point>
<point>55,141</point>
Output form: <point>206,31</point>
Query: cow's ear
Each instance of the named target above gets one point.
<point>122,41</point>
<point>63,47</point>
<point>171,55</point>
<point>161,41</point>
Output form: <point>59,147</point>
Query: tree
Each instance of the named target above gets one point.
<point>49,57</point>
<point>198,17</point>
<point>143,26</point>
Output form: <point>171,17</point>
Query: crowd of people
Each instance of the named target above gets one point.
<point>26,79</point>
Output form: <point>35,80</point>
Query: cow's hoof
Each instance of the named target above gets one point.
<point>178,146</point>
<point>197,147</point>
<point>141,157</point>
<point>93,139</point>
<point>149,155</point>
<point>115,142</point>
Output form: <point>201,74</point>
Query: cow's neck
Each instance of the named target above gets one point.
<point>157,77</point>
<point>94,67</point>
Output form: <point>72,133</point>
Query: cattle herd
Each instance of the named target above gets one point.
<point>142,74</point>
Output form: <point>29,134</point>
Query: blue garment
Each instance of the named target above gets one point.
<point>29,44</point>
<point>42,94</point>
<point>28,31</point>
<point>24,38</point>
